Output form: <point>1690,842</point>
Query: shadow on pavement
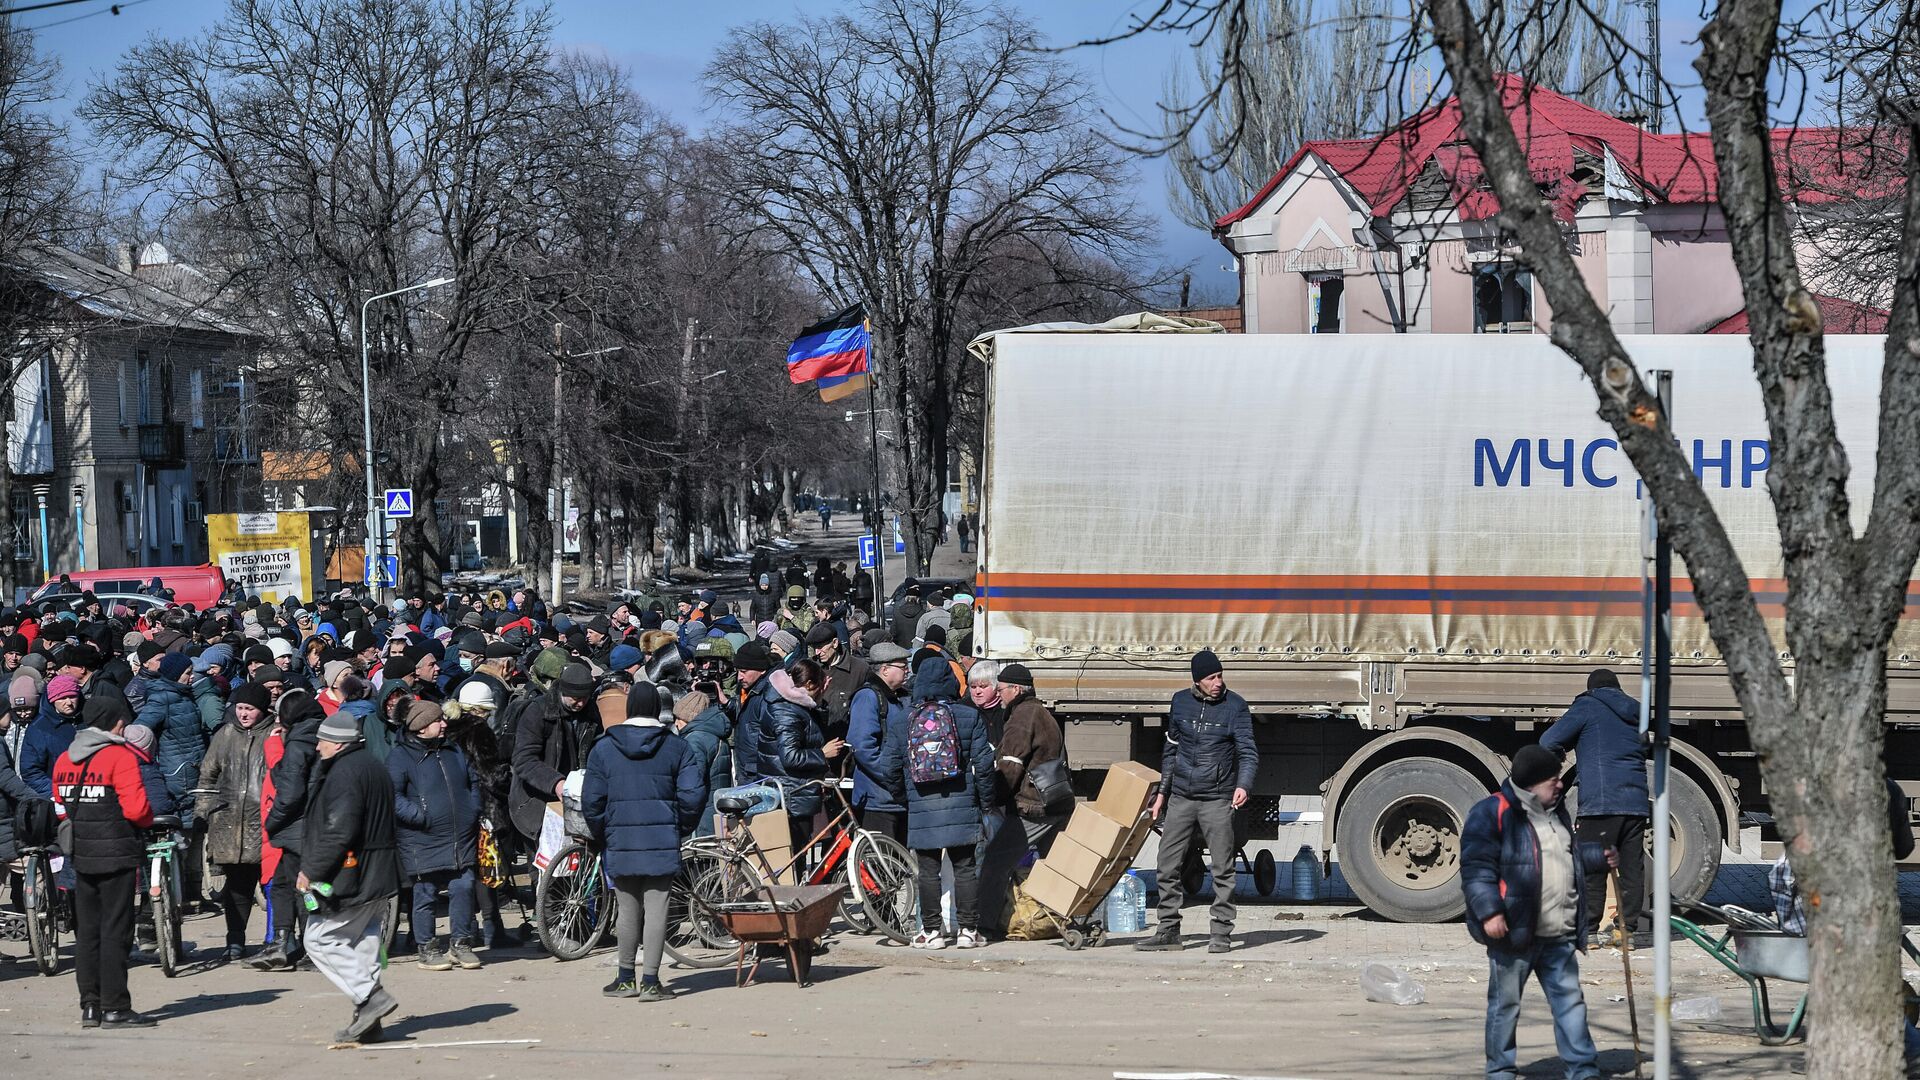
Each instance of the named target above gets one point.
<point>450,1020</point>
<point>206,1003</point>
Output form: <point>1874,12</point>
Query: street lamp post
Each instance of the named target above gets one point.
<point>376,521</point>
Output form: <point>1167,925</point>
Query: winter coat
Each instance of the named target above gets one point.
<point>844,676</point>
<point>765,606</point>
<point>47,738</point>
<point>906,619</point>
<point>643,793</point>
<point>1031,737</point>
<point>97,787</point>
<point>236,766</point>
<point>1603,728</point>
<point>748,728</point>
<point>550,743</point>
<point>179,742</point>
<point>945,813</point>
<point>211,702</point>
<point>1500,870</point>
<point>13,792</point>
<point>476,740</point>
<point>789,742</point>
<point>294,776</point>
<point>437,805</point>
<point>274,749</point>
<point>158,797</point>
<point>709,736</point>
<point>1210,749</point>
<point>351,818</point>
<point>872,716</point>
<point>135,685</point>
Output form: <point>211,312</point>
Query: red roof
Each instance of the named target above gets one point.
<point>1837,316</point>
<point>1818,164</point>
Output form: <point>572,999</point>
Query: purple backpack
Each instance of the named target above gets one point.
<point>933,743</point>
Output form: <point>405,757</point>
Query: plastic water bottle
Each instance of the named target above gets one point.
<point>1125,909</point>
<point>1306,874</point>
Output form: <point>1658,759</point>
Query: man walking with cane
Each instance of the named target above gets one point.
<point>1602,727</point>
<point>349,869</point>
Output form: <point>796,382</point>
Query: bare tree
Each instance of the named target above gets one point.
<point>891,152</point>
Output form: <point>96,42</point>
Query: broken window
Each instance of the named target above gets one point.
<point>1502,299</point>
<point>1324,303</point>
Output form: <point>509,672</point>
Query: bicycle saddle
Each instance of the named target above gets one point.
<point>166,821</point>
<point>733,804</point>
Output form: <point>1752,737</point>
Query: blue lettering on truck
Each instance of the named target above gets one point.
<point>1598,463</point>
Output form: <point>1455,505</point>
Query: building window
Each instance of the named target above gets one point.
<point>143,386</point>
<point>1502,299</point>
<point>197,398</point>
<point>22,528</point>
<point>1326,301</point>
<point>120,392</point>
<point>165,390</point>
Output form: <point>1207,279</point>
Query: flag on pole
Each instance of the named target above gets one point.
<point>834,348</point>
<point>834,387</point>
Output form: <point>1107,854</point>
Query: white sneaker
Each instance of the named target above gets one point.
<point>930,939</point>
<point>969,939</point>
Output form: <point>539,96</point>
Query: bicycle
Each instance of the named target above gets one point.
<point>573,909</point>
<point>162,891</point>
<point>878,871</point>
<point>48,909</point>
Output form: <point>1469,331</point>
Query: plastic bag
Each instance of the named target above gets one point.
<point>1030,921</point>
<point>1697,1009</point>
<point>1390,985</point>
<point>553,836</point>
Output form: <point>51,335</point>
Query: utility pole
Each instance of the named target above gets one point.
<point>1650,74</point>
<point>559,481</point>
<point>684,511</point>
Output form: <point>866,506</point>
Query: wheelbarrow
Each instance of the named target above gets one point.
<point>789,917</point>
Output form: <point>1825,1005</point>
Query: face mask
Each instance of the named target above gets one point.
<point>466,662</point>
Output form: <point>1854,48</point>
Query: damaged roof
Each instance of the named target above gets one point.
<point>108,292</point>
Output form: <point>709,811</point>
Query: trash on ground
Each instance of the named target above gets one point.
<point>1390,985</point>
<point>1697,1009</point>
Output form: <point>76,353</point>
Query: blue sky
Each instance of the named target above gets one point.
<point>666,45</point>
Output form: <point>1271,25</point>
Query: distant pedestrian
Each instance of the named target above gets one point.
<point>1209,763</point>
<point>1520,868</point>
<point>350,868</point>
<point>1602,727</point>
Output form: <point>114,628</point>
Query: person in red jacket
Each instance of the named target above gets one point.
<point>97,787</point>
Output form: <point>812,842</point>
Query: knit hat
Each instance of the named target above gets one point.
<point>765,630</point>
<point>172,664</point>
<point>253,694</point>
<point>936,635</point>
<point>575,681</point>
<point>643,700</point>
<point>147,650</point>
<point>784,642</point>
<point>1601,677</point>
<point>269,675</point>
<point>103,711</point>
<point>1533,764</point>
<point>421,713</point>
<point>1017,675</point>
<point>62,686</point>
<point>341,727</point>
<point>130,641</point>
<point>691,704</point>
<point>623,657</point>
<point>23,690</point>
<point>1205,664</point>
<point>213,656</point>
<point>600,624</point>
<point>820,634</point>
<point>140,737</point>
<point>753,656</point>
<point>330,673</point>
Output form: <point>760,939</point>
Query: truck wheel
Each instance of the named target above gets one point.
<point>1399,838</point>
<point>1694,857</point>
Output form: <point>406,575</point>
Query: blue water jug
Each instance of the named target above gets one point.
<point>1306,874</point>
<point>1126,906</point>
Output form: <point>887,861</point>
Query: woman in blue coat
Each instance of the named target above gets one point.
<point>944,817</point>
<point>643,793</point>
<point>436,811</point>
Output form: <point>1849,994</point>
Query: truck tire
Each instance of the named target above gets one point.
<point>1399,838</point>
<point>1694,858</point>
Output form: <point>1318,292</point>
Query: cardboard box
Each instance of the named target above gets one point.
<point>1123,794</point>
<point>1077,863</point>
<point>1054,891</point>
<point>1096,831</point>
<point>770,831</point>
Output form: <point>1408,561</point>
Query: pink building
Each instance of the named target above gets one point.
<point>1395,233</point>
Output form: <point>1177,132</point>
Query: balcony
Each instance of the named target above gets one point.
<point>164,443</point>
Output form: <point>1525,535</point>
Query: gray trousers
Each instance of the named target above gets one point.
<point>639,930</point>
<point>1185,823</point>
<point>345,945</point>
<point>1001,853</point>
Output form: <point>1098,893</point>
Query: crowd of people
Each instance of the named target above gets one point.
<point>323,757</point>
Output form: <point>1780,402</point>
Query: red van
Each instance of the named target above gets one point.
<point>202,586</point>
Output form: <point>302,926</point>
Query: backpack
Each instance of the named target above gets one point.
<point>933,743</point>
<point>35,823</point>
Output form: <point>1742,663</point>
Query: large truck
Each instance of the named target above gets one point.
<point>1409,552</point>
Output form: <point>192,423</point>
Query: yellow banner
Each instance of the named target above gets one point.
<point>270,554</point>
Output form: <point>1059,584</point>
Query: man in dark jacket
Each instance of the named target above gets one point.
<point>554,736</point>
<point>766,602</point>
<point>351,867</point>
<point>1208,764</point>
<point>878,708</point>
<point>845,674</point>
<point>437,804</point>
<point>97,787</point>
<point>750,663</point>
<point>286,821</point>
<point>1520,869</point>
<point>1603,729</point>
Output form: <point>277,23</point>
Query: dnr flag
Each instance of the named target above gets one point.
<point>833,348</point>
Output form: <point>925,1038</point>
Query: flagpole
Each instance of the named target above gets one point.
<point>879,517</point>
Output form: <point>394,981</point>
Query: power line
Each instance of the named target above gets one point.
<point>113,10</point>
<point>24,8</point>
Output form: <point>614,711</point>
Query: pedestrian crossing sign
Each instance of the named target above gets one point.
<point>399,502</point>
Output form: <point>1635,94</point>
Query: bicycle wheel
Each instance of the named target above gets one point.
<point>696,936</point>
<point>572,904</point>
<point>43,925</point>
<point>853,908</point>
<point>888,882</point>
<point>166,929</point>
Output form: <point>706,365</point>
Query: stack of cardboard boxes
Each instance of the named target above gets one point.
<point>1099,844</point>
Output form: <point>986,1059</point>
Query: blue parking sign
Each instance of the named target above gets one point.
<point>869,552</point>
